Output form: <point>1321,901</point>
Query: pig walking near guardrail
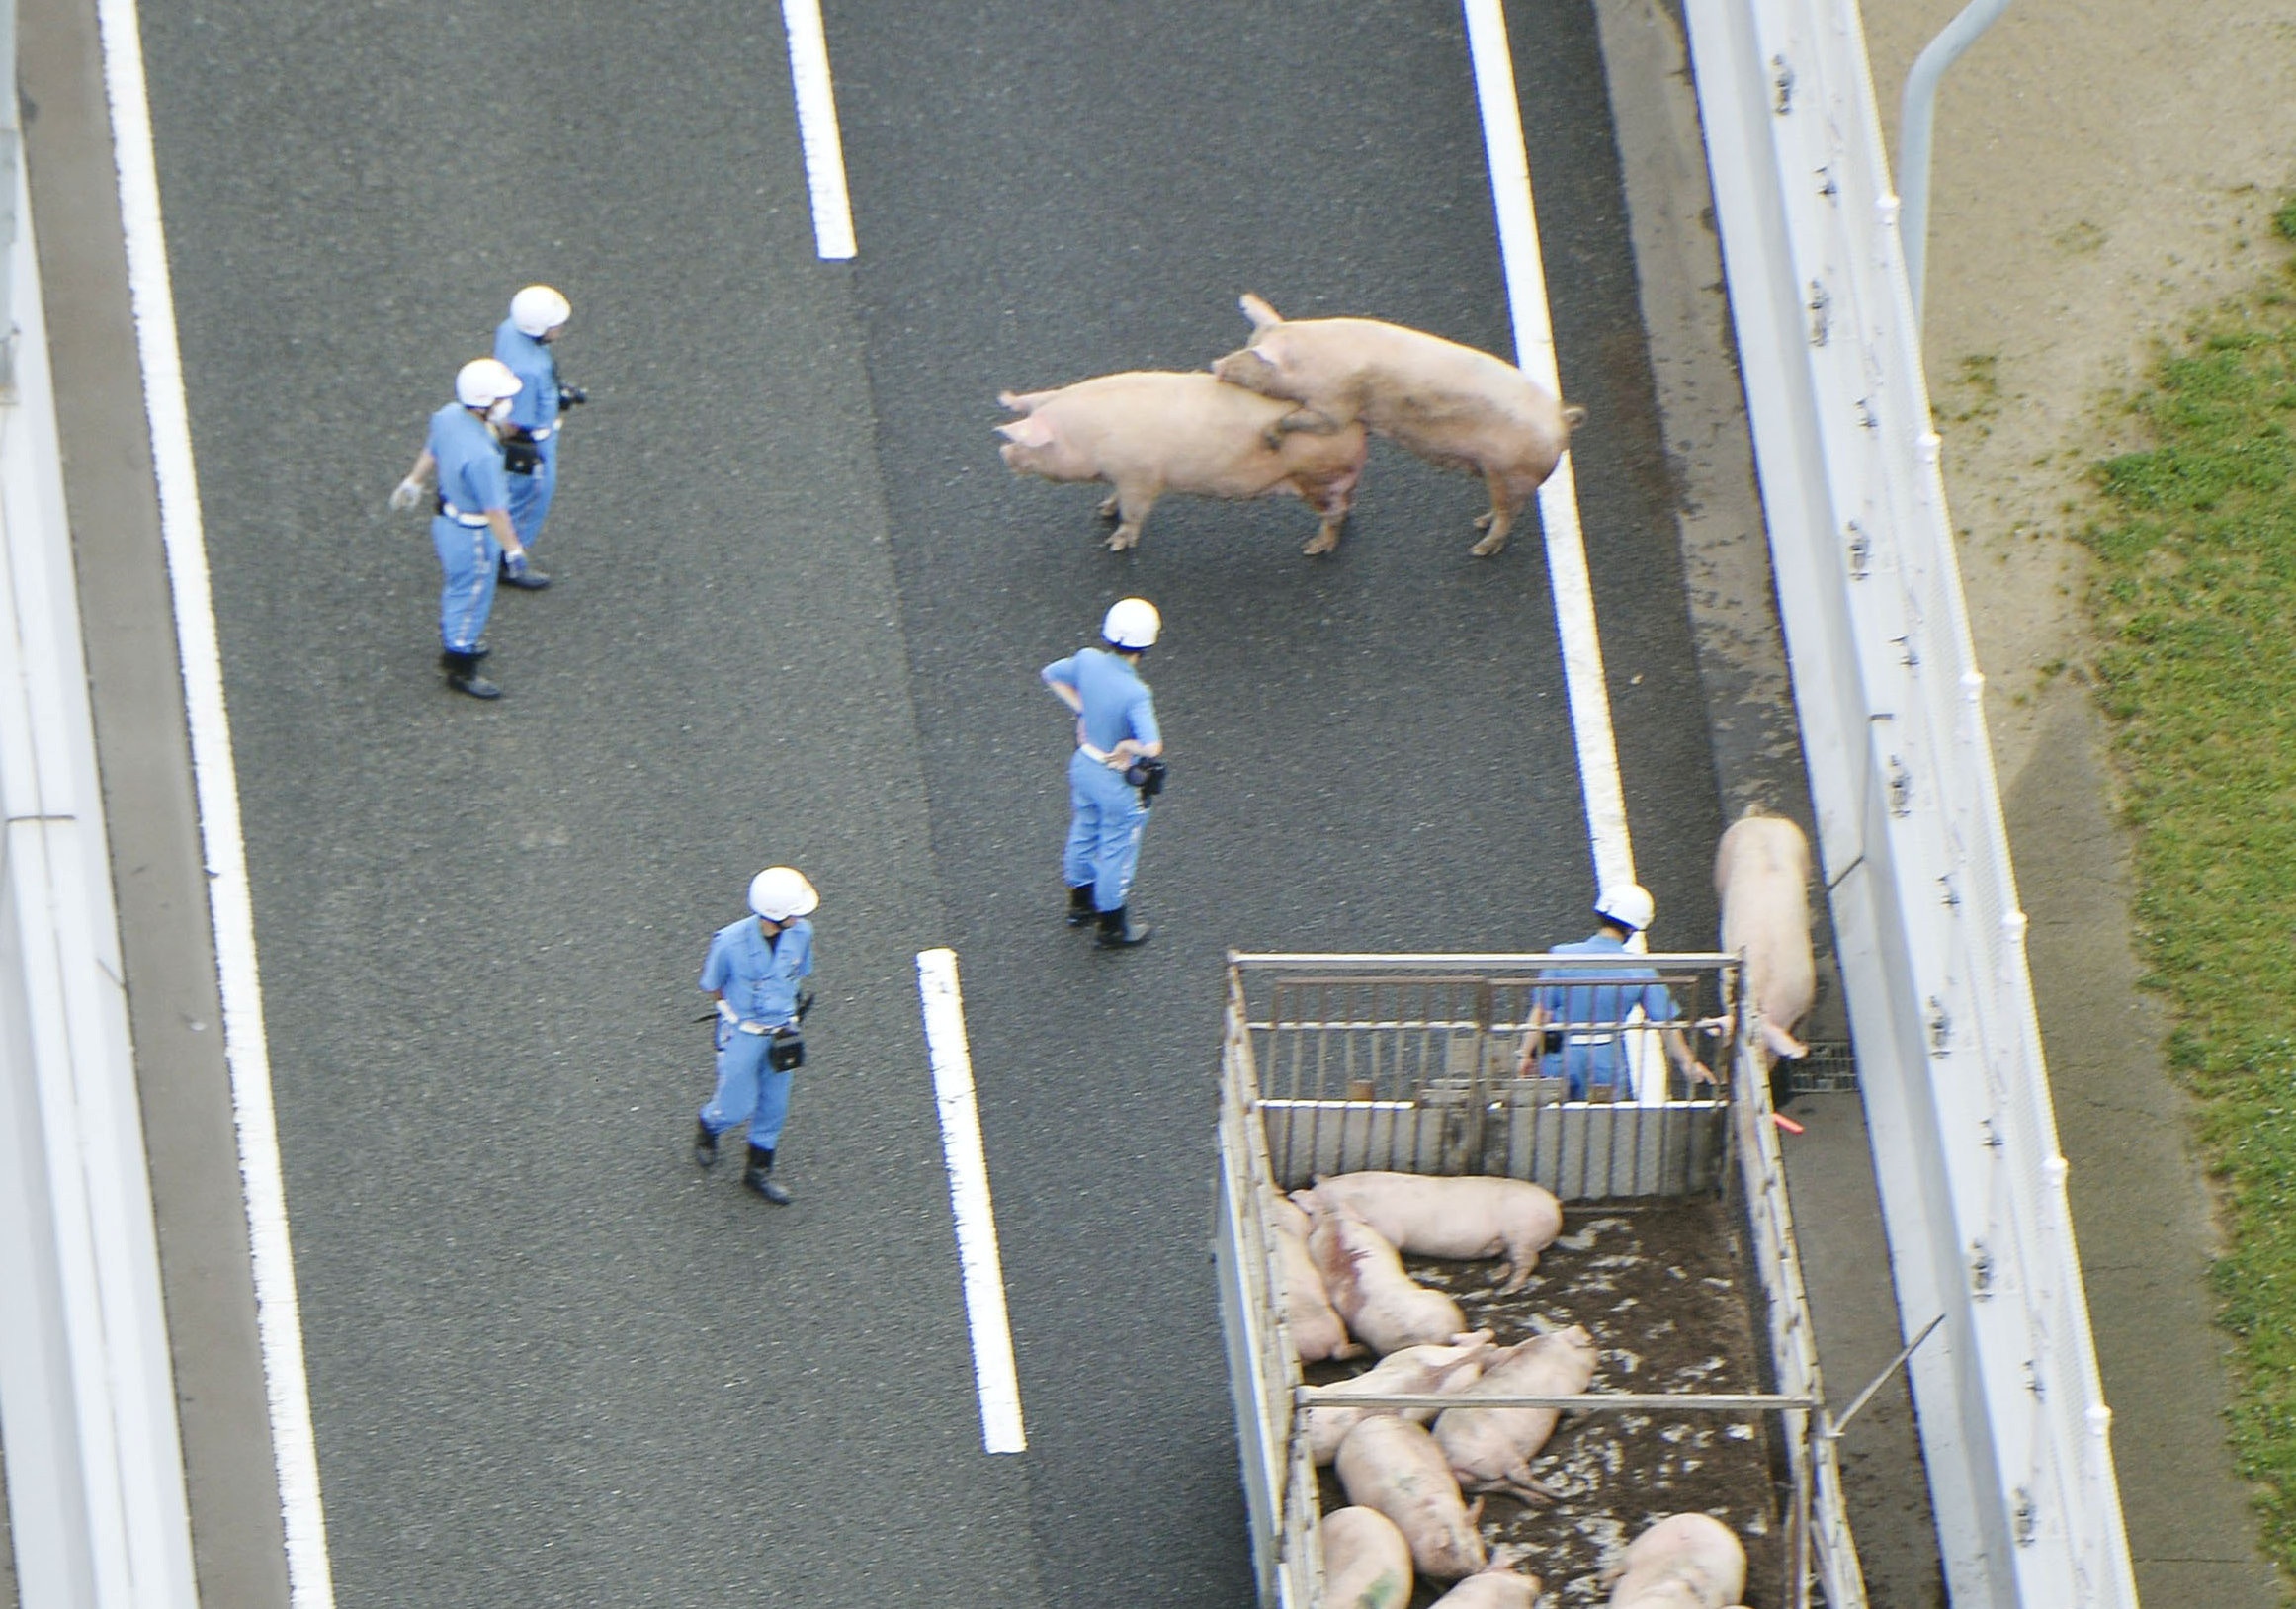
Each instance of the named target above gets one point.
<point>1452,405</point>
<point>1761,873</point>
<point>1147,433</point>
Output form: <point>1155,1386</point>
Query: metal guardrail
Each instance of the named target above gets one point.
<point>1373,1046</point>
<point>1930,936</point>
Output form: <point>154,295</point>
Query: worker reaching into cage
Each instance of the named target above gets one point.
<point>1578,1031</point>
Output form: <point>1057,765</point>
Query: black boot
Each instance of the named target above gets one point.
<point>524,576</point>
<point>462,675</point>
<point>1081,912</point>
<point>705,1145</point>
<point>1119,932</point>
<point>759,1177</point>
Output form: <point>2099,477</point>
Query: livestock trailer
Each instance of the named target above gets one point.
<point>1435,1064</point>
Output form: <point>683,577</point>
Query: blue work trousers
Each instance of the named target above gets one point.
<point>747,1088</point>
<point>1104,826</point>
<point>1599,1067</point>
<point>469,556</point>
<point>531,494</point>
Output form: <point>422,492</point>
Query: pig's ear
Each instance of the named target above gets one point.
<point>1272,349</point>
<point>1030,432</point>
<point>1259,311</point>
<point>1573,416</point>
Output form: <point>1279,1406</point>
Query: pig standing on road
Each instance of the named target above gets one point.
<point>1146,434</point>
<point>1454,406</point>
<point>1684,1562</point>
<point>1455,1218</point>
<point>1394,1465</point>
<point>1367,1563</point>
<point>1761,873</point>
<point>1385,1308</point>
<point>1415,1370</point>
<point>1316,1330</point>
<point>1491,1449</point>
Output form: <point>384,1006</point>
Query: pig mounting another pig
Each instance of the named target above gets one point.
<point>1491,1449</point>
<point>1316,1330</point>
<point>1367,1563</point>
<point>1394,1465</point>
<point>1414,1371</point>
<point>1475,1216</point>
<point>1761,873</point>
<point>1383,1307</point>
<point>1146,434</point>
<point>1684,1562</point>
<point>1452,405</point>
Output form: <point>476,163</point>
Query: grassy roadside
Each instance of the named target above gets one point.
<point>2195,604</point>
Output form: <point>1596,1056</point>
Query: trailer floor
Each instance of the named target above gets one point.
<point>1661,1292</point>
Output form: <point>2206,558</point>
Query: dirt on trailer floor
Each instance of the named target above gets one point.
<point>1661,1292</point>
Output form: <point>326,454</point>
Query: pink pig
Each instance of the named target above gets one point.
<point>1435,1216</point>
<point>1684,1562</point>
<point>1454,406</point>
<point>1761,872</point>
<point>1146,434</point>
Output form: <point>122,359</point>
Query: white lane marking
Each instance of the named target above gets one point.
<point>817,128</point>
<point>1526,295</point>
<point>279,1320</point>
<point>993,1373</point>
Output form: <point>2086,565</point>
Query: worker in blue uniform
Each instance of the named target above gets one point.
<point>1116,729</point>
<point>471,526</point>
<point>753,970</point>
<point>1576,1030</point>
<point>531,436</point>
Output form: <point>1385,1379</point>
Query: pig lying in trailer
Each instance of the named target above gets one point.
<point>1394,1465</point>
<point>1495,1587</point>
<point>1452,405</point>
<point>1491,1449</point>
<point>1684,1562</point>
<point>1367,1563</point>
<point>1430,1216</point>
<point>1146,434</point>
<point>1316,1330</point>
<point>1413,1371</point>
<point>1383,1307</point>
<point>1761,875</point>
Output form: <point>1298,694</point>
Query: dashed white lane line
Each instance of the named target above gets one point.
<point>817,128</point>
<point>215,782</point>
<point>1526,293</point>
<point>993,1373</point>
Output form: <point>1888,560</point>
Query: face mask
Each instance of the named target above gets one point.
<point>499,412</point>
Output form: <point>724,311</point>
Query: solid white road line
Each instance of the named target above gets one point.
<point>1526,293</point>
<point>817,128</point>
<point>279,1320</point>
<point>993,1373</point>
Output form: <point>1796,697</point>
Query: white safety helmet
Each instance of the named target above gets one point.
<point>1132,623</point>
<point>483,382</point>
<point>1629,904</point>
<point>780,892</point>
<point>539,308</point>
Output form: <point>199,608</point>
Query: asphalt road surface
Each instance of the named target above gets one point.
<point>799,613</point>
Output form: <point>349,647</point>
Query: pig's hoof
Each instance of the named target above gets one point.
<point>1482,520</point>
<point>1489,546</point>
<point>1322,544</point>
<point>1119,542</point>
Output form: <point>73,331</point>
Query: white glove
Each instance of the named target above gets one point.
<point>406,494</point>
<point>753,1028</point>
<point>725,1010</point>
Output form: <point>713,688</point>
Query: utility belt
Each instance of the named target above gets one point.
<point>522,449</point>
<point>1145,774</point>
<point>475,522</point>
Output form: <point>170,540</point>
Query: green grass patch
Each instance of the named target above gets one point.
<point>2195,606</point>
